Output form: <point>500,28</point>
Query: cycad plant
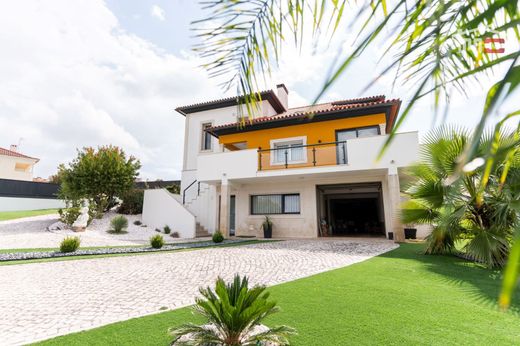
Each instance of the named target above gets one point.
<point>464,207</point>
<point>234,312</point>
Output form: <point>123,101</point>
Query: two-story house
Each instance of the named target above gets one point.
<point>15,165</point>
<point>313,170</point>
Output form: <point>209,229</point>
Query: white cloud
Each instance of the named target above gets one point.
<point>71,77</point>
<point>158,13</point>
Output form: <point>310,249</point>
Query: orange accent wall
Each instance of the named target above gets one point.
<point>324,131</point>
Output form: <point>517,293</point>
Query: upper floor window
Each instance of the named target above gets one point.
<point>22,167</point>
<point>344,135</point>
<point>206,137</point>
<point>290,150</point>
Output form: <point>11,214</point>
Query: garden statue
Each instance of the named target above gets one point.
<point>82,221</point>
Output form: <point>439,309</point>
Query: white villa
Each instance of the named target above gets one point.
<point>15,165</point>
<point>313,170</point>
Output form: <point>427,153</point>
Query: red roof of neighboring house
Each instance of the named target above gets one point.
<point>308,112</point>
<point>7,152</point>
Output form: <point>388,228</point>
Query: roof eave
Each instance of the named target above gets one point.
<point>268,95</point>
<point>352,112</point>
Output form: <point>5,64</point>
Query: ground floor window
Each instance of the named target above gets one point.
<point>275,204</point>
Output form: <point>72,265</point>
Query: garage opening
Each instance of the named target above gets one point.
<point>351,210</point>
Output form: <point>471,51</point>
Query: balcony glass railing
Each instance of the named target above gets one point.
<point>301,156</point>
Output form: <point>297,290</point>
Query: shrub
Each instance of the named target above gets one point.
<point>73,209</point>
<point>137,223</point>
<point>119,224</point>
<point>235,310</point>
<point>175,189</point>
<point>175,235</point>
<point>157,241</point>
<point>167,229</point>
<point>69,215</point>
<point>218,237</point>
<point>157,230</point>
<point>69,244</point>
<point>132,202</point>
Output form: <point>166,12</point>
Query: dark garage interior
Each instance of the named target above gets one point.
<point>351,210</point>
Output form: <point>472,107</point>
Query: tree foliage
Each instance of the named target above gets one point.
<point>460,209</point>
<point>98,175</point>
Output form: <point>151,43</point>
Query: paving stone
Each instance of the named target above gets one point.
<point>56,298</point>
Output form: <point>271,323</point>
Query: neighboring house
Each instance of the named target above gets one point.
<point>15,165</point>
<point>313,170</point>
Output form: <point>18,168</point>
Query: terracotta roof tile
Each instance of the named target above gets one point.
<point>7,152</point>
<point>315,110</point>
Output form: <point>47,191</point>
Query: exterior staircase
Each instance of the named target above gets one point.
<point>192,202</point>
<point>200,231</point>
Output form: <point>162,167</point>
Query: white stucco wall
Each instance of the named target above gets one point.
<point>8,171</point>
<point>193,130</point>
<point>161,208</point>
<point>361,152</point>
<point>303,225</point>
<point>17,203</point>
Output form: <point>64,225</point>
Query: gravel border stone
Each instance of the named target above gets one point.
<point>16,256</point>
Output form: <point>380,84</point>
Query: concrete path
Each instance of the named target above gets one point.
<point>43,300</point>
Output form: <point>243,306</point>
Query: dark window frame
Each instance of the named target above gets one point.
<point>206,137</point>
<point>283,195</point>
<point>359,128</point>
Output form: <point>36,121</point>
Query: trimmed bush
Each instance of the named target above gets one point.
<point>175,235</point>
<point>218,237</point>
<point>73,209</point>
<point>119,224</point>
<point>132,202</point>
<point>167,229</point>
<point>157,241</point>
<point>69,215</point>
<point>70,244</point>
<point>137,223</point>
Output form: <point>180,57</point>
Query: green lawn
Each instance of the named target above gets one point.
<point>399,298</point>
<point>10,215</point>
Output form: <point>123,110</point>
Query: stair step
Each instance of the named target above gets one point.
<point>201,231</point>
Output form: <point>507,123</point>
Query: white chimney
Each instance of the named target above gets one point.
<point>283,95</point>
<point>14,148</point>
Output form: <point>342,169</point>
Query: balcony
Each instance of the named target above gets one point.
<point>302,156</point>
<point>351,155</point>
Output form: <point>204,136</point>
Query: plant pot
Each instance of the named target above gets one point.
<point>410,233</point>
<point>391,235</point>
<point>268,231</point>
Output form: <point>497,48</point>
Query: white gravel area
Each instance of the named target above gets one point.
<point>32,232</point>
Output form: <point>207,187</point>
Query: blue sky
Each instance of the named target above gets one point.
<point>94,72</point>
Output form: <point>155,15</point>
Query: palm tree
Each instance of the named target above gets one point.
<point>460,209</point>
<point>234,312</point>
<point>436,47</point>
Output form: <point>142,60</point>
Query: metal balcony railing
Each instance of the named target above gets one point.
<point>301,156</point>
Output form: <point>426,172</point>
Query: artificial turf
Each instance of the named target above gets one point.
<point>399,298</point>
<point>10,215</point>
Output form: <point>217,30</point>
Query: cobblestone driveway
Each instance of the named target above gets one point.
<point>43,300</point>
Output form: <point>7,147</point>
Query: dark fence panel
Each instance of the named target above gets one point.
<point>27,189</point>
<point>32,189</point>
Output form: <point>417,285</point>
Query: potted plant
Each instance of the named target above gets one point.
<point>267,225</point>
